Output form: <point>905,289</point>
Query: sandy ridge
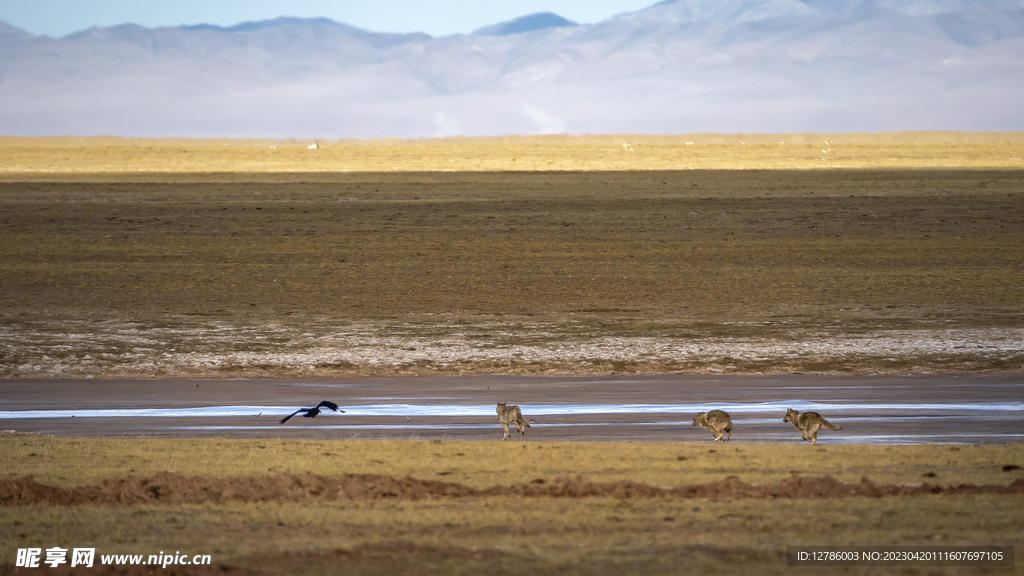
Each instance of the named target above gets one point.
<point>174,489</point>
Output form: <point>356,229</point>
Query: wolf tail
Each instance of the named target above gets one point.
<point>518,417</point>
<point>829,425</point>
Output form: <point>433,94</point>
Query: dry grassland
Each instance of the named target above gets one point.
<point>599,536</point>
<point>77,158</point>
<point>83,461</point>
<point>442,535</point>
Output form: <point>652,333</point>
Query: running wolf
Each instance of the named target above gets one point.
<point>511,415</point>
<point>717,421</point>
<point>808,424</point>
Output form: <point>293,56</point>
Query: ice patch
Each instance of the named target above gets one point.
<point>530,410</point>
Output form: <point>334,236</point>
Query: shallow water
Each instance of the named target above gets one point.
<point>906,410</point>
<point>871,410</point>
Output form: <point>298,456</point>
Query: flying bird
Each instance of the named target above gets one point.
<point>312,412</point>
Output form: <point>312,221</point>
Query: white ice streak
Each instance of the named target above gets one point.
<point>875,409</point>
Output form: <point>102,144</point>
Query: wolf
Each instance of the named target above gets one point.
<point>511,415</point>
<point>717,421</point>
<point>808,424</point>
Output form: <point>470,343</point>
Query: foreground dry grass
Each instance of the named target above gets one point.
<point>514,535</point>
<point>597,536</point>
<point>81,461</point>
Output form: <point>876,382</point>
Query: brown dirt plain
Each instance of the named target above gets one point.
<point>221,259</point>
<point>215,260</point>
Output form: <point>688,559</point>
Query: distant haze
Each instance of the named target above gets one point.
<point>678,66</point>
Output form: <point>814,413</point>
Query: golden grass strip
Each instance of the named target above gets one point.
<point>70,462</point>
<point>42,159</point>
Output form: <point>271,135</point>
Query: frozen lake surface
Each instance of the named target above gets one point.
<point>871,409</point>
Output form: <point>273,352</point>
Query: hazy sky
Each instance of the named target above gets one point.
<point>435,17</point>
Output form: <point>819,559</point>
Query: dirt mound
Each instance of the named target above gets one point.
<point>792,487</point>
<point>167,488</point>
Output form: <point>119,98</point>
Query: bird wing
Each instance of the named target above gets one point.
<point>328,404</point>
<point>285,419</point>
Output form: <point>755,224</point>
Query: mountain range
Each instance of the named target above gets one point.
<point>678,66</point>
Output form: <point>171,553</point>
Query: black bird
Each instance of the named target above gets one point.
<point>312,412</point>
